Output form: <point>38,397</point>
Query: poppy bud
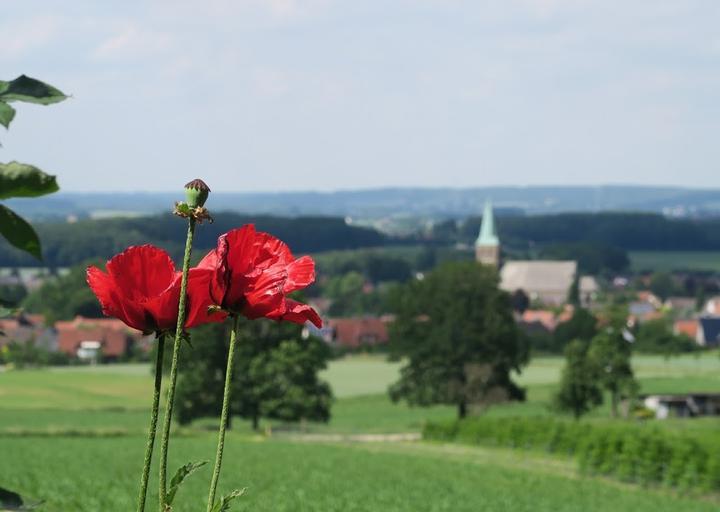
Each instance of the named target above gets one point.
<point>196,193</point>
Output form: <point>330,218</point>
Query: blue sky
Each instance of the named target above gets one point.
<point>323,94</point>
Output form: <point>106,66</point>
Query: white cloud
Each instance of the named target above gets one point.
<point>134,41</point>
<point>22,36</point>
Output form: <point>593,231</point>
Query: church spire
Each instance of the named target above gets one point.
<point>487,235</point>
<point>487,245</point>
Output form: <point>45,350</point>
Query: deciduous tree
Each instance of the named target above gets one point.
<point>579,389</point>
<point>456,333</point>
<point>581,326</point>
<point>610,352</point>
<point>275,374</point>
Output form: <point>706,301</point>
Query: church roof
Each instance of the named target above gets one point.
<point>537,275</point>
<point>488,235</point>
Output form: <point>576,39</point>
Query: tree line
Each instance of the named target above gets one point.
<point>65,244</point>
<point>626,230</point>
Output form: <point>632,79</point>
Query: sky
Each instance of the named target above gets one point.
<point>287,95</point>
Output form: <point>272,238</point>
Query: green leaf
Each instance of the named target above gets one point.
<point>30,90</point>
<point>181,474</point>
<point>18,232</point>
<point>224,504</point>
<point>24,180</point>
<point>7,113</point>
<point>12,501</point>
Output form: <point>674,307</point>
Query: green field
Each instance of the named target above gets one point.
<point>99,475</point>
<point>74,436</point>
<point>667,261</point>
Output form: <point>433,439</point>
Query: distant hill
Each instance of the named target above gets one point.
<point>385,202</point>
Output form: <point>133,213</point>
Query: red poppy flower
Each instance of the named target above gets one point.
<point>252,273</point>
<point>142,288</point>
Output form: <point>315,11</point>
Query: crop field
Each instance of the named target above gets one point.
<point>74,437</point>
<point>100,475</point>
<point>667,261</point>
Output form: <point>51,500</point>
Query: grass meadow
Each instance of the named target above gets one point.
<point>75,437</point>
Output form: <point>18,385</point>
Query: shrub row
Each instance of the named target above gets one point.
<point>632,452</point>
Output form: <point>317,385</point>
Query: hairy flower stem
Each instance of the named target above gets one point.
<point>167,420</point>
<point>224,415</point>
<point>153,423</point>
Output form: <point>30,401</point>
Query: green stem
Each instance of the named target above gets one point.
<point>153,424</point>
<point>167,420</point>
<point>223,416</point>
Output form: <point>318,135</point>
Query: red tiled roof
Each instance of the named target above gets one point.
<point>114,336</point>
<point>545,317</point>
<point>687,327</point>
<point>357,331</point>
<point>9,324</point>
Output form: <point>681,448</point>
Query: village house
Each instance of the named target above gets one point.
<point>25,328</point>
<point>645,308</point>
<point>545,318</point>
<point>708,332</point>
<point>537,321</point>
<point>682,405</point>
<point>712,307</point>
<point>107,338</point>
<point>356,332</point>
<point>646,296</point>
<point>681,306</point>
<point>687,327</point>
<point>543,321</point>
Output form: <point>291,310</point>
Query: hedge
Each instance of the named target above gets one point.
<point>632,452</point>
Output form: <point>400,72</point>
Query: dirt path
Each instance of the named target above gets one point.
<point>353,438</point>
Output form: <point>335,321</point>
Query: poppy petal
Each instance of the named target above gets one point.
<point>301,273</point>
<point>243,246</point>
<point>141,288</point>
<point>242,249</point>
<point>215,263</point>
<point>253,272</point>
<point>264,295</point>
<point>300,313</point>
<point>142,271</point>
<point>163,308</point>
<point>103,287</point>
<point>199,299</point>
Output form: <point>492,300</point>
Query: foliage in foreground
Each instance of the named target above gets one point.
<point>23,180</point>
<point>631,452</point>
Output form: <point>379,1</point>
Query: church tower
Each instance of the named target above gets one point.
<point>487,245</point>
